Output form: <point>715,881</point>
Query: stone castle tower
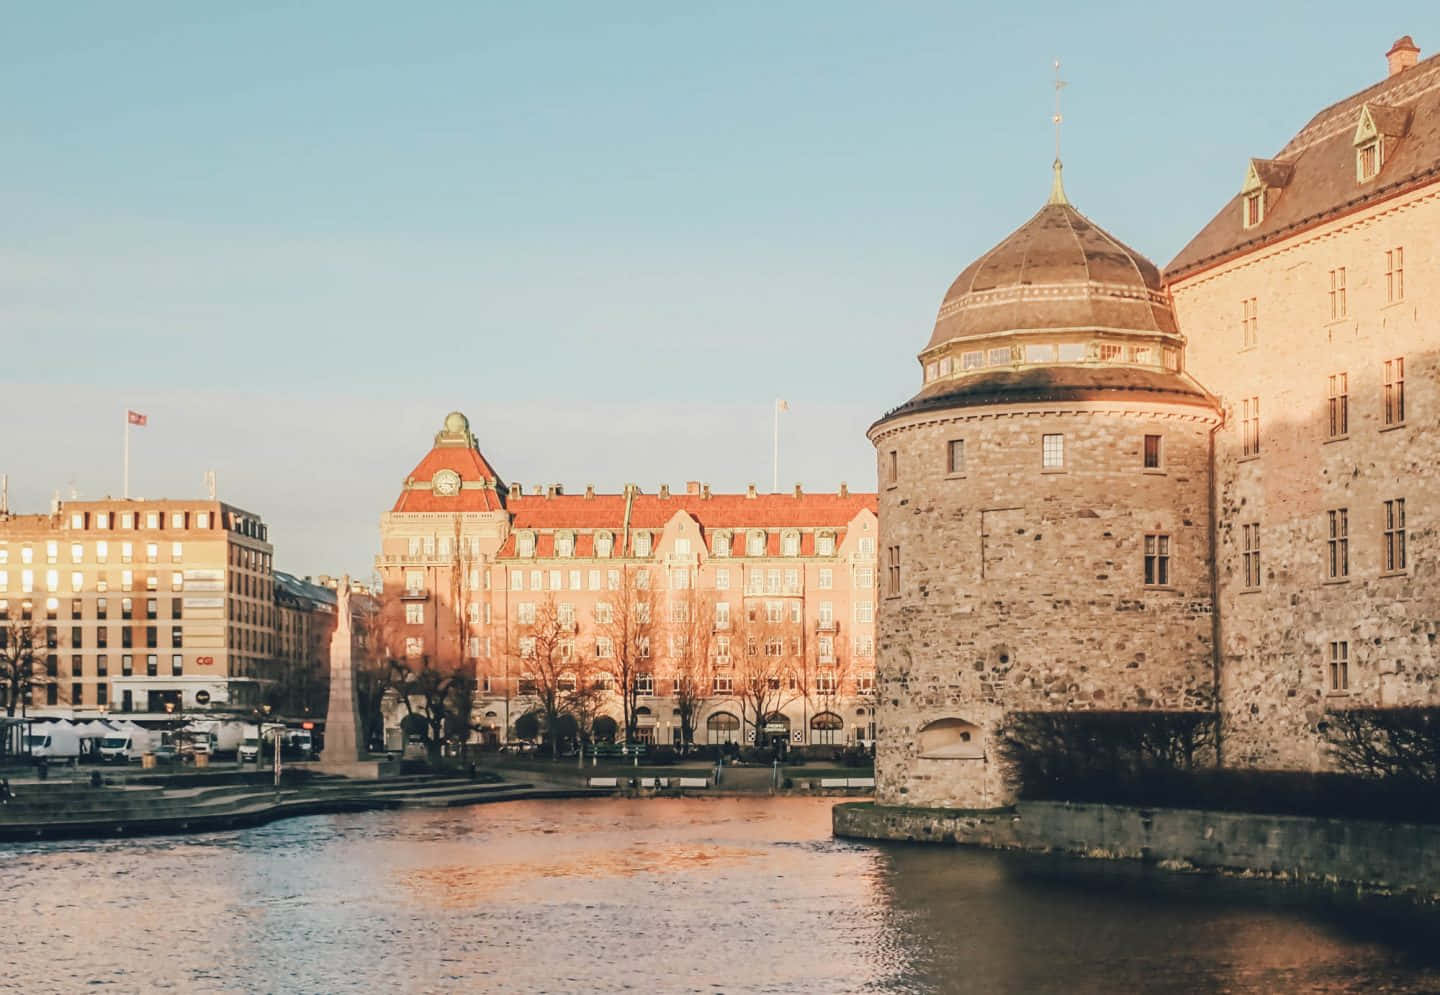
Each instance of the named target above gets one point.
<point>1044,505</point>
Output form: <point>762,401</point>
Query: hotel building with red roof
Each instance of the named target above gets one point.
<point>468,563</point>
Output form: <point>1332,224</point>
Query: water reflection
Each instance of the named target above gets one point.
<point>716,895</point>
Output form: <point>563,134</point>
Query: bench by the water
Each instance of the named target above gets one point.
<point>847,782</point>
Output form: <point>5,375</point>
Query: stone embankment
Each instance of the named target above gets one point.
<point>70,810</point>
<point>1380,856</point>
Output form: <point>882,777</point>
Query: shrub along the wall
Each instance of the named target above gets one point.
<point>1400,744</point>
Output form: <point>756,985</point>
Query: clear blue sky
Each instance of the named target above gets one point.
<point>611,233</point>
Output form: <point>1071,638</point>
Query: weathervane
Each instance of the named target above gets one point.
<point>1057,189</point>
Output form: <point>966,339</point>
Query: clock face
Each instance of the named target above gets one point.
<point>446,483</point>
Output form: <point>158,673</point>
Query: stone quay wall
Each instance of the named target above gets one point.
<point>1022,587</point>
<point>1396,857</point>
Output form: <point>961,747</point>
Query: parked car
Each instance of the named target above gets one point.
<point>165,754</point>
<point>249,750</point>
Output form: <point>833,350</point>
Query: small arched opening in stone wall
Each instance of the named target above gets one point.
<point>951,739</point>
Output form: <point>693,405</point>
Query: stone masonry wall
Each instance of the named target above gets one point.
<point>1275,639</point>
<point>1023,588</point>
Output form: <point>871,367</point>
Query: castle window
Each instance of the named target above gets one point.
<point>1251,554</point>
<point>1339,544</point>
<point>1157,560</point>
<point>1395,536</point>
<point>1250,426</point>
<point>892,468</point>
<point>1152,452</point>
<point>1249,323</point>
<point>1072,352</point>
<point>929,372</point>
<point>1000,357</point>
<point>1110,353</point>
<point>972,360</point>
<point>892,576</point>
<point>1052,452</point>
<point>955,457</point>
<point>1254,209</point>
<point>1394,393</point>
<point>1040,353</point>
<point>1394,275</point>
<point>1338,305</point>
<point>1339,405</point>
<point>946,365</point>
<point>1339,667</point>
<point>1368,160</point>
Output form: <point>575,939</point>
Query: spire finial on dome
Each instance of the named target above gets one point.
<point>1057,187</point>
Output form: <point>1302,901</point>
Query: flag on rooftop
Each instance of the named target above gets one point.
<point>136,418</point>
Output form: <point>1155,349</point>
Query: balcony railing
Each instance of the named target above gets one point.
<point>414,594</point>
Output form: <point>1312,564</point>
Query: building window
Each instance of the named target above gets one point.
<point>1394,275</point>
<point>604,544</point>
<point>1339,666</point>
<point>826,580</point>
<point>722,579</point>
<point>1249,323</point>
<point>720,544</point>
<point>1250,426</point>
<point>724,684</point>
<point>1152,452</point>
<point>1157,560</point>
<point>102,694</point>
<point>955,456</point>
<point>825,544</point>
<point>1338,306</point>
<point>642,544</point>
<point>1395,536</point>
<point>755,544</point>
<point>1052,451</point>
<point>1254,208</point>
<point>565,544</point>
<point>864,578</point>
<point>892,576</point>
<point>414,614</point>
<point>152,665</point>
<point>1251,554</point>
<point>1394,392</point>
<point>892,465</point>
<point>645,684</point>
<point>790,544</point>
<point>525,545</point>
<point>525,613</point>
<point>1339,543</point>
<point>722,615</point>
<point>177,665</point>
<point>1368,161</point>
<point>1339,405</point>
<point>415,646</point>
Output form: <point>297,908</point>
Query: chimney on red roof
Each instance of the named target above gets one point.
<point>589,491</point>
<point>664,490</point>
<point>1402,55</point>
<point>750,491</point>
<point>517,490</point>
<point>844,489</point>
<point>692,487</point>
<point>705,491</point>
<point>798,491</point>
<point>539,490</point>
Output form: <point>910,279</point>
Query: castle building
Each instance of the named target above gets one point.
<point>782,586</point>
<point>141,606</point>
<point>1073,507</point>
<point>1305,302</point>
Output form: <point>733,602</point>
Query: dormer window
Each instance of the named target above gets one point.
<point>825,544</point>
<point>642,544</point>
<point>1367,161</point>
<point>604,544</point>
<point>720,545</point>
<point>1254,208</point>
<point>525,544</point>
<point>790,544</point>
<point>755,543</point>
<point>565,544</point>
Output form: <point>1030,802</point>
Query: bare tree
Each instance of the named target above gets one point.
<point>624,627</point>
<point>765,669</point>
<point>22,645</point>
<point>545,657</point>
<point>825,674</point>
<point>588,688</point>
<point>692,657</point>
<point>435,689</point>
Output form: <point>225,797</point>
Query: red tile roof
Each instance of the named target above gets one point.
<point>472,468</point>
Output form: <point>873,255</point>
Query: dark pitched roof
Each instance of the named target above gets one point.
<point>1049,384</point>
<point>1058,270</point>
<point>1405,107</point>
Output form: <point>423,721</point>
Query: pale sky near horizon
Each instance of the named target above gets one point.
<point>296,235</point>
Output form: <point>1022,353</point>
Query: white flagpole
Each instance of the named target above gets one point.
<point>126,492</point>
<point>775,456</point>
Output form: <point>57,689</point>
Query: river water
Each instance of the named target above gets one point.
<point>704,895</point>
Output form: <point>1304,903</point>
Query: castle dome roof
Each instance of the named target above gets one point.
<point>1059,271</point>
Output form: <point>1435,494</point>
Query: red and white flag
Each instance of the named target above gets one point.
<point>136,418</point>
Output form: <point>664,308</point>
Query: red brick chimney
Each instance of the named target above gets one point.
<point>664,490</point>
<point>692,487</point>
<point>1402,55</point>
